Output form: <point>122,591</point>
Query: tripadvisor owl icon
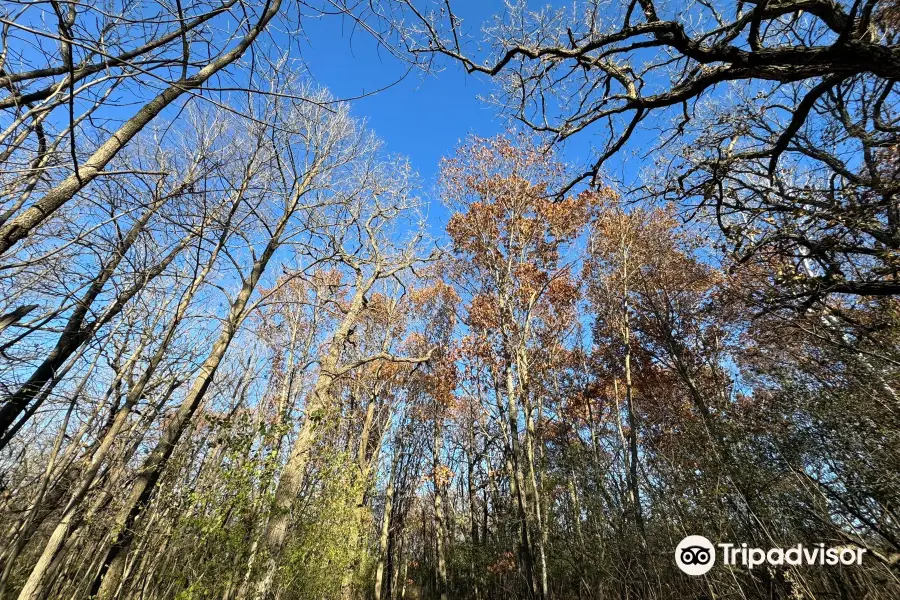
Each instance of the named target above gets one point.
<point>695,555</point>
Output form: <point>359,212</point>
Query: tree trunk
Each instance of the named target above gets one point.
<point>21,226</point>
<point>440,532</point>
<point>517,482</point>
<point>318,407</point>
<point>386,527</point>
<point>107,581</point>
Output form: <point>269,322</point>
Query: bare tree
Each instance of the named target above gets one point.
<point>783,114</point>
<point>358,237</point>
<point>86,319</point>
<point>61,63</point>
<point>614,65</point>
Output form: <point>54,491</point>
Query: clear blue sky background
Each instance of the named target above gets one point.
<point>425,116</point>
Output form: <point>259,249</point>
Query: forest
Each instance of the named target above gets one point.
<point>247,352</point>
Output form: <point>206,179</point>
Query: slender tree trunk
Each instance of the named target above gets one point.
<point>634,496</point>
<point>20,227</point>
<point>107,581</point>
<point>517,481</point>
<point>633,427</point>
<point>318,407</point>
<point>440,531</point>
<point>404,572</point>
<point>473,508</point>
<point>386,527</point>
<point>540,538</point>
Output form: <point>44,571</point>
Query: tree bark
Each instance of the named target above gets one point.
<point>318,407</point>
<point>22,225</point>
<point>440,531</point>
<point>69,521</point>
<point>107,581</point>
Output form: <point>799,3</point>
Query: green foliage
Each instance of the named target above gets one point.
<point>324,543</point>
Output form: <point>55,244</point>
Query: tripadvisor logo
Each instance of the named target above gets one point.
<point>696,555</point>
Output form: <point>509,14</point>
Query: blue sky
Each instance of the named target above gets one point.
<point>424,116</point>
